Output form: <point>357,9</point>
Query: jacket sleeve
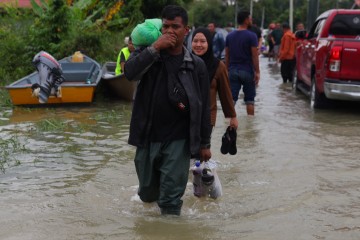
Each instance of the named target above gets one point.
<point>224,91</point>
<point>285,47</point>
<point>206,127</point>
<point>139,62</point>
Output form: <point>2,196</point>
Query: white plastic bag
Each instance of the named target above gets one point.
<point>206,182</point>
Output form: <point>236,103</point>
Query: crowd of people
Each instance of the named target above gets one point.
<point>175,106</point>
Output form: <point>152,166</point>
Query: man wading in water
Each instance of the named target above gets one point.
<point>171,113</point>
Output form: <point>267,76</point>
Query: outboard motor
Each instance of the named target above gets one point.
<point>50,76</point>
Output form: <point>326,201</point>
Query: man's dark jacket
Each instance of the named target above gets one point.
<point>147,67</point>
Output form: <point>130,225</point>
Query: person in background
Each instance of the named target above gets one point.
<point>276,36</point>
<point>218,40</point>
<point>270,41</point>
<point>300,26</point>
<point>257,31</point>
<point>171,113</point>
<point>242,61</point>
<point>123,56</point>
<point>218,76</point>
<point>230,27</point>
<point>287,54</point>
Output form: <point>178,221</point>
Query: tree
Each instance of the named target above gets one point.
<point>153,8</point>
<point>203,12</point>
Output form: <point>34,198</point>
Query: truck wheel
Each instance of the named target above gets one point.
<point>317,100</point>
<point>295,81</point>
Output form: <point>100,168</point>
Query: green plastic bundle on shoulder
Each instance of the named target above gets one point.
<point>146,33</point>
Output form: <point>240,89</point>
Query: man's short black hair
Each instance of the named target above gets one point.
<point>170,12</point>
<point>285,26</point>
<point>242,16</point>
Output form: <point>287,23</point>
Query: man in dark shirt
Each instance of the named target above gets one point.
<point>253,28</point>
<point>276,36</point>
<point>242,60</point>
<point>165,131</point>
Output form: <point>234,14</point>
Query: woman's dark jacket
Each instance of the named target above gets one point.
<point>147,67</point>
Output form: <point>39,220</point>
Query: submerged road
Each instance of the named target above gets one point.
<point>296,174</point>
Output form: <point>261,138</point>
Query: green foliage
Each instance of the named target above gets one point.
<point>13,43</point>
<point>203,12</point>
<point>52,125</point>
<point>131,11</point>
<point>8,148</point>
<point>37,8</point>
<point>51,28</point>
<point>4,98</point>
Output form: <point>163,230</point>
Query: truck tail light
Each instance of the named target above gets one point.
<point>335,59</point>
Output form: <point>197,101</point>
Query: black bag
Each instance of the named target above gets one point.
<point>177,94</point>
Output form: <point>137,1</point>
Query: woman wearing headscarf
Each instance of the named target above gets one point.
<point>218,76</point>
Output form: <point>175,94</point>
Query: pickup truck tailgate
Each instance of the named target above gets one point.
<point>350,60</point>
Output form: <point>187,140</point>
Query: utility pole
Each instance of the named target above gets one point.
<point>291,15</point>
<point>236,11</point>
<point>263,18</point>
<point>251,7</point>
<point>313,12</point>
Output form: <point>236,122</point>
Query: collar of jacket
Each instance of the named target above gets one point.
<point>188,61</point>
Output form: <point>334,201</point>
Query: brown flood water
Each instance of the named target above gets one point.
<point>296,175</point>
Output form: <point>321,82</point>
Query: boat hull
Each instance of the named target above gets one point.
<point>81,80</point>
<point>69,94</point>
<point>122,87</point>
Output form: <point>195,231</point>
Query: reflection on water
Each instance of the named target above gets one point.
<point>296,174</point>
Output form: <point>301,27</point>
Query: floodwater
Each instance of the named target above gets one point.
<point>296,174</point>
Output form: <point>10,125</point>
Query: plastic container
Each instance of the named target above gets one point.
<point>197,183</point>
<point>77,57</point>
<point>211,183</point>
<point>206,182</point>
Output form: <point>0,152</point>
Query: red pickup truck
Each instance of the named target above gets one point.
<point>328,58</point>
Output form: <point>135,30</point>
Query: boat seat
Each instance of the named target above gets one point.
<point>77,72</point>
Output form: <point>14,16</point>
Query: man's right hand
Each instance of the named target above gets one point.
<point>257,78</point>
<point>205,154</point>
<point>165,41</point>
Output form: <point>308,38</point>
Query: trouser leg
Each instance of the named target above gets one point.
<point>148,175</point>
<point>162,170</point>
<point>174,176</point>
<point>235,85</point>
<point>286,70</point>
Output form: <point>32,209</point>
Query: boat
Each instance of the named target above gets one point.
<point>79,84</point>
<point>118,84</point>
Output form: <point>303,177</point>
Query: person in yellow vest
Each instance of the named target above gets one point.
<point>123,56</point>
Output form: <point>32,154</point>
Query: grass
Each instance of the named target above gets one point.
<point>7,149</point>
<point>5,100</point>
<point>51,125</point>
<point>110,116</point>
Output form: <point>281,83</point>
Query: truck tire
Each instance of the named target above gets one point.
<point>317,100</point>
<point>295,82</point>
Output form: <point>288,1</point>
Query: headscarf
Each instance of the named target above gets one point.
<point>211,62</point>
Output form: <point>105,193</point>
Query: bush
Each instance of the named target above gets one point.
<point>15,59</point>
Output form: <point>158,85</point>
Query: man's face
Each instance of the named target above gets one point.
<point>249,21</point>
<point>300,26</point>
<point>131,46</point>
<point>175,27</point>
<point>211,27</point>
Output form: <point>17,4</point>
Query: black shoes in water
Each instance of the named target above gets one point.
<point>229,141</point>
